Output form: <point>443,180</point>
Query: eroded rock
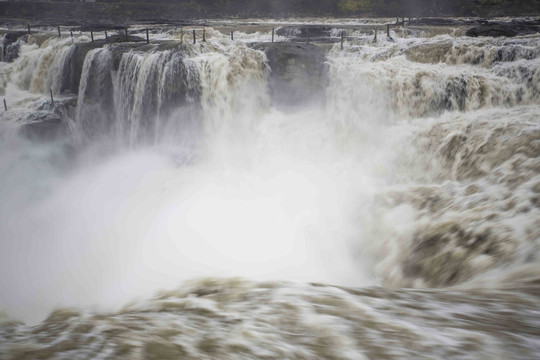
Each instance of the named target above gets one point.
<point>507,29</point>
<point>44,126</point>
<point>298,71</point>
<point>11,46</point>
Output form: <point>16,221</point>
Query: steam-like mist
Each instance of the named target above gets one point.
<point>278,198</point>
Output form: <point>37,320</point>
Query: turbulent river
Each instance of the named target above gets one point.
<point>238,199</point>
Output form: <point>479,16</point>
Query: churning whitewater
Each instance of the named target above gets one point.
<point>240,199</point>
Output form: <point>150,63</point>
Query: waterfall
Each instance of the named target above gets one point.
<point>155,94</point>
<point>405,173</point>
<point>148,89</point>
<point>95,106</point>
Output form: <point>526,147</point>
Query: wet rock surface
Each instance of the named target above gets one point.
<point>12,36</point>
<point>72,76</point>
<point>325,34</point>
<point>298,71</point>
<point>301,33</point>
<point>62,107</point>
<point>508,29</point>
<point>11,52</point>
<point>44,126</point>
<point>49,121</point>
<point>440,22</point>
<point>10,45</point>
<point>120,48</point>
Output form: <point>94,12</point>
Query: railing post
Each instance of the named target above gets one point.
<point>59,34</point>
<point>92,35</point>
<point>375,37</point>
<point>106,36</point>
<point>342,37</point>
<point>273,30</point>
<point>147,37</point>
<point>71,33</point>
<point>388,30</point>
<point>204,34</point>
<point>232,35</point>
<point>181,35</point>
<point>5,105</point>
<point>52,99</point>
<point>194,39</point>
<point>127,37</point>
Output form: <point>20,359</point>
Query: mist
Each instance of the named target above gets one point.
<point>278,199</point>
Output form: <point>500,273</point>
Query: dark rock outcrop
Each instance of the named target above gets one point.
<point>74,64</point>
<point>71,76</point>
<point>12,36</point>
<point>65,107</point>
<point>49,121</point>
<point>120,48</point>
<point>312,33</point>
<point>434,21</point>
<point>304,30</point>
<point>10,45</point>
<point>298,71</point>
<point>11,52</point>
<point>495,30</point>
<point>44,126</point>
<point>507,29</point>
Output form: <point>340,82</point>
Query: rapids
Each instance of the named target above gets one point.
<point>395,216</point>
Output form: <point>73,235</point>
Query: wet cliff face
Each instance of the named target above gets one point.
<point>144,84</point>
<point>297,72</point>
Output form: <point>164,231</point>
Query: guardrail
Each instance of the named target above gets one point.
<point>146,32</point>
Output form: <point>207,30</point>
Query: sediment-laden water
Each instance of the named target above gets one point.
<point>274,201</point>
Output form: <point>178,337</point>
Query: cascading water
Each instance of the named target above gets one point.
<point>420,169</point>
<point>95,107</point>
<point>149,87</point>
